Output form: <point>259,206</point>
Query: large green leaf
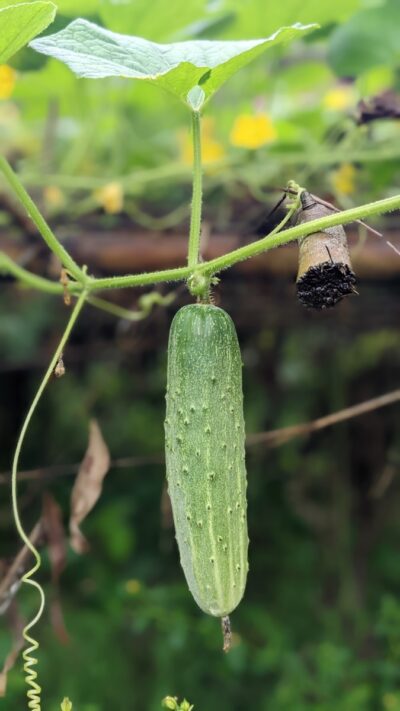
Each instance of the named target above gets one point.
<point>19,23</point>
<point>371,38</point>
<point>91,51</point>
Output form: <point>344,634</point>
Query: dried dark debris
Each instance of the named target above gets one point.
<point>383,106</point>
<point>325,273</point>
<point>324,285</point>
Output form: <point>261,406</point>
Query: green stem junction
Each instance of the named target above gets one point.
<point>276,238</point>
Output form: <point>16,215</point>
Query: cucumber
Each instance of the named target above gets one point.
<point>205,456</point>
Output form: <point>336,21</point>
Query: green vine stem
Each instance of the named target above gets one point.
<point>8,266</point>
<point>39,221</point>
<point>195,215</point>
<point>208,269</point>
<point>34,692</point>
<point>251,250</point>
<point>301,230</point>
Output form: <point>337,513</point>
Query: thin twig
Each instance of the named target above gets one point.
<point>359,222</point>
<point>15,570</point>
<point>380,487</point>
<point>60,470</point>
<point>272,438</point>
<point>335,209</point>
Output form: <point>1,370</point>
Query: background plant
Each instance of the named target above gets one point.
<point>364,696</point>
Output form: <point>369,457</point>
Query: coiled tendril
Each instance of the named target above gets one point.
<point>30,660</point>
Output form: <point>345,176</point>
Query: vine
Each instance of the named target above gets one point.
<point>195,213</point>
<point>34,692</point>
<point>276,238</point>
<point>199,276</point>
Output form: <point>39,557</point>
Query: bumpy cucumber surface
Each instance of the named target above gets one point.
<point>205,455</point>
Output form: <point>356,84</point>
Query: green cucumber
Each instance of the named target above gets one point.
<point>205,456</point>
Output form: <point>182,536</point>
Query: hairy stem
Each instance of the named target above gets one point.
<point>301,230</point>
<point>195,216</point>
<point>274,239</point>
<point>39,221</point>
<point>251,250</point>
<point>8,266</point>
<point>144,279</point>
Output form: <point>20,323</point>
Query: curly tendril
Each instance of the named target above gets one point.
<point>30,661</point>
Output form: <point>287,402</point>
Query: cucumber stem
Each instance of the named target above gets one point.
<point>226,633</point>
<point>195,215</point>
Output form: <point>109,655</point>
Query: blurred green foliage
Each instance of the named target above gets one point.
<point>74,136</point>
<point>320,623</point>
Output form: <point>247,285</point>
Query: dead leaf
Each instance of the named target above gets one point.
<point>12,579</point>
<point>8,665</point>
<point>88,485</point>
<point>57,620</point>
<point>57,549</point>
<point>16,624</point>
<point>54,530</point>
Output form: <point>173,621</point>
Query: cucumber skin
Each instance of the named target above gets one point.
<point>205,455</point>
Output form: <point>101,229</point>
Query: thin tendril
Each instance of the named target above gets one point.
<point>34,692</point>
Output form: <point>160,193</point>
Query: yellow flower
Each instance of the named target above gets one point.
<point>7,81</point>
<point>343,179</point>
<point>53,197</point>
<point>250,131</point>
<point>339,98</point>
<point>110,197</point>
<point>66,705</point>
<point>132,586</point>
<point>211,149</point>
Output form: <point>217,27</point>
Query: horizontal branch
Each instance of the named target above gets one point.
<point>251,250</point>
<point>35,281</point>
<point>272,438</point>
<point>275,438</point>
<point>8,266</point>
<point>298,231</point>
<point>17,568</point>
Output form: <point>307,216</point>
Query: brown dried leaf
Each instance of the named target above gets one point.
<point>55,534</point>
<point>57,549</point>
<point>8,665</point>
<point>57,620</point>
<point>88,485</point>
<point>11,581</point>
<point>16,624</point>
